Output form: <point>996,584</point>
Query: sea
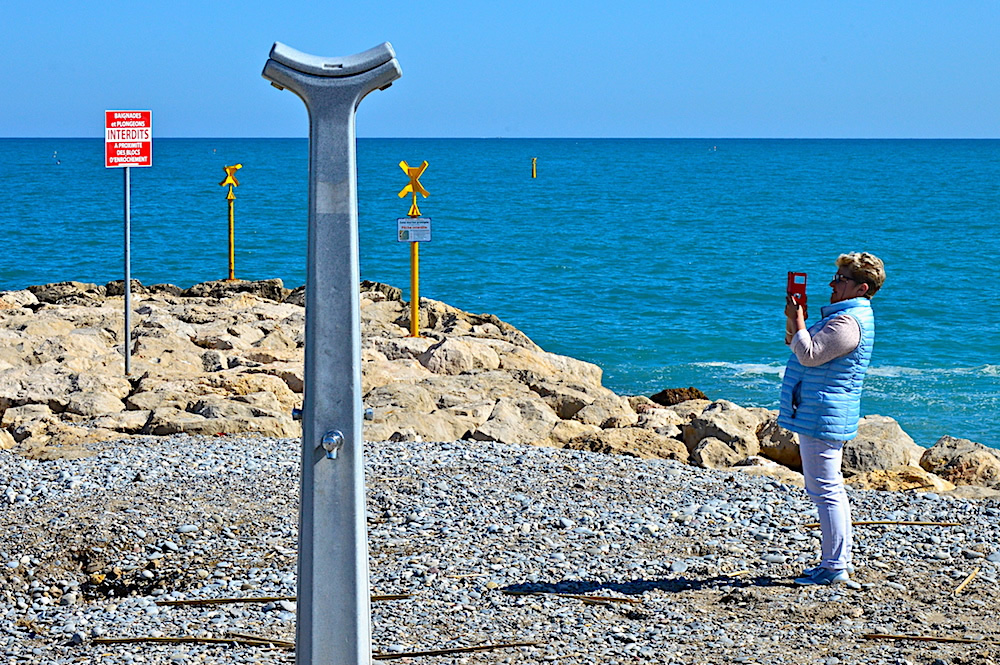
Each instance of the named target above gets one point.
<point>662,261</point>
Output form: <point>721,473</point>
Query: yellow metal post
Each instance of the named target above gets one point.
<point>232,237</point>
<point>412,188</point>
<point>534,170</point>
<point>414,289</point>
<point>231,181</point>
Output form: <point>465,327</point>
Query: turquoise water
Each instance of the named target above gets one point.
<point>663,261</point>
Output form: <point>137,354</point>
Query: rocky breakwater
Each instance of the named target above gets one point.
<point>227,358</point>
<point>206,360</point>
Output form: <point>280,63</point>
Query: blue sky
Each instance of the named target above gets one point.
<point>692,68</point>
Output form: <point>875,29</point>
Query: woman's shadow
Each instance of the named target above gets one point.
<point>640,586</point>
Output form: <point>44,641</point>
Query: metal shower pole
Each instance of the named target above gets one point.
<point>334,618</point>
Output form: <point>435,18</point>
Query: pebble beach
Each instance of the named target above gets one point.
<point>579,557</point>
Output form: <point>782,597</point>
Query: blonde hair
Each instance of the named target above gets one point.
<point>864,268</point>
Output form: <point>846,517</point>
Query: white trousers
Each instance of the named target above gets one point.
<point>821,462</point>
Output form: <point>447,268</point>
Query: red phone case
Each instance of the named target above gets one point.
<point>797,286</point>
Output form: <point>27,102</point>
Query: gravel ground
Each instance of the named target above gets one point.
<point>698,563</point>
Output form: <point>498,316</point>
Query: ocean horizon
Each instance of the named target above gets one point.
<point>662,261</point>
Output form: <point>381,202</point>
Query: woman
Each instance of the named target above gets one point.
<point>821,398</point>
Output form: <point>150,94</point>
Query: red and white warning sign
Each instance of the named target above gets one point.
<point>128,138</point>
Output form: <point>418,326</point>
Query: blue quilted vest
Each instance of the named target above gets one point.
<point>824,402</point>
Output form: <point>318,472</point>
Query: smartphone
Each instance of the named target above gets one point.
<point>797,287</point>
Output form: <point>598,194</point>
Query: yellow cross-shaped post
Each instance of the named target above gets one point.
<point>231,181</point>
<point>231,176</point>
<point>414,173</point>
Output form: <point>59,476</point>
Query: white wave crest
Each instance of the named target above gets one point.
<point>743,369</point>
<point>884,371</point>
<point>893,371</point>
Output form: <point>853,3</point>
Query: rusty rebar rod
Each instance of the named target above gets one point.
<point>927,638</point>
<point>445,652</point>
<point>965,583</point>
<point>269,599</point>
<point>891,523</point>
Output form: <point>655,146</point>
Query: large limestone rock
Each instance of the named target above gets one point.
<point>117,287</point>
<point>215,407</point>
<point>713,453</point>
<point>565,431</point>
<point>690,409</point>
<point>129,422</point>
<point>52,384</point>
<point>68,292</point>
<point>41,328</point>
<point>466,418</point>
<point>518,420</point>
<point>375,372</point>
<point>456,355</point>
<point>291,373</point>
<point>565,399</point>
<point>779,444</point>
<point>236,384</point>
<point>963,462</point>
<point>94,403</point>
<point>396,348</point>
<point>269,289</point>
<point>442,425</point>
<point>17,299</point>
<point>378,291</point>
<point>79,350</point>
<point>46,384</point>
<point>202,357</point>
<point>763,467</point>
<point>666,422</point>
<point>641,404</point>
<point>166,353</point>
<point>22,422</point>
<point>478,387</point>
<point>728,423</point>
<point>573,371</point>
<point>631,441</point>
<point>398,397</point>
<point>161,396</point>
<point>169,420</point>
<point>900,478</point>
<point>608,412</point>
<point>880,444</point>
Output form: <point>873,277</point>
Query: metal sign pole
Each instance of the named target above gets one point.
<point>128,142</point>
<point>414,188</point>
<point>231,181</point>
<point>333,623</point>
<point>128,271</point>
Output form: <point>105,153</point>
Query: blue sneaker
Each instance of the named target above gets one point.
<point>824,576</point>
<point>809,572</point>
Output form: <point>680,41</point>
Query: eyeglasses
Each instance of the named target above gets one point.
<point>838,278</point>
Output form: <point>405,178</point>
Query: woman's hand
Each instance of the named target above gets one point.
<point>796,313</point>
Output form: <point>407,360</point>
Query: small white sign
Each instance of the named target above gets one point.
<point>413,229</point>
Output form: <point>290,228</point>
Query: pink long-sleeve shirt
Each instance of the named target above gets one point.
<point>837,338</point>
